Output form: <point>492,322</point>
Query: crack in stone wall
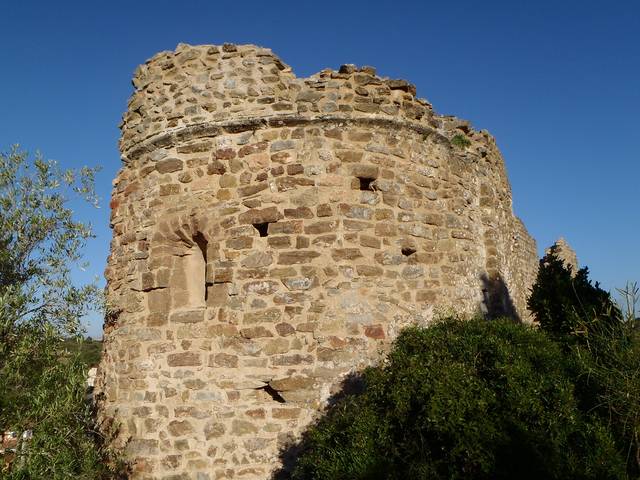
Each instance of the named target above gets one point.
<point>272,235</point>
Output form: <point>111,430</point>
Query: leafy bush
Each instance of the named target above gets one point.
<point>609,386</point>
<point>463,399</point>
<point>65,443</point>
<point>460,141</point>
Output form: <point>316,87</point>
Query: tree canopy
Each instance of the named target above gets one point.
<point>42,385</point>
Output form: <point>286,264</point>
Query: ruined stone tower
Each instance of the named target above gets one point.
<point>272,234</point>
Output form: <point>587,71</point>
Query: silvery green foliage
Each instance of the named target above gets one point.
<point>42,386</point>
<point>40,242</point>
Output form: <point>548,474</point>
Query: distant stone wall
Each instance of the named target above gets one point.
<point>564,252</point>
<point>272,234</point>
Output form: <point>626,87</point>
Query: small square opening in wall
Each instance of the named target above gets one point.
<point>407,251</point>
<point>365,183</point>
<point>262,228</point>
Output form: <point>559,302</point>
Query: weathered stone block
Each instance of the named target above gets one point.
<point>257,259</point>
<point>223,360</point>
<point>278,345</point>
<point>374,331</point>
<point>261,287</point>
<point>287,413</point>
<point>243,427</point>
<point>386,230</point>
<point>169,165</point>
<point>292,383</point>
<point>324,210</point>
<point>324,226</point>
<point>240,243</point>
<point>214,429</point>
<point>340,254</point>
<point>187,316</point>
<point>252,190</point>
<point>279,242</point>
<point>159,300</point>
<point>253,148</point>
<point>256,332</point>
<point>256,215</point>
<point>184,359</point>
<point>179,428</point>
<point>299,256</point>
<point>216,167</point>
<point>284,329</point>
<point>349,156</point>
<point>224,154</point>
<point>289,227</point>
<point>369,270</point>
<point>141,446</point>
<point>269,315</point>
<point>369,241</point>
<point>290,360</point>
<point>300,212</point>
<point>356,211</point>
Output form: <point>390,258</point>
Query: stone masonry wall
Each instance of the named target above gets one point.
<point>272,234</point>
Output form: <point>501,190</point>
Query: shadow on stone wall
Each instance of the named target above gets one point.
<point>497,299</point>
<point>352,384</point>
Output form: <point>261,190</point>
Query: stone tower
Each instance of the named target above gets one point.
<point>272,234</point>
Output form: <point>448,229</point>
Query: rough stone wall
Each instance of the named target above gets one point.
<point>272,234</point>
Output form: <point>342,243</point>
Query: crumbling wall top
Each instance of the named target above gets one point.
<point>219,85</point>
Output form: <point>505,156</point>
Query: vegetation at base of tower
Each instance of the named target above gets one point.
<point>43,385</point>
<point>463,399</point>
<point>492,399</point>
<point>460,141</point>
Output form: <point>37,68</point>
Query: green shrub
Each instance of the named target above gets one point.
<point>460,141</point>
<point>564,304</point>
<point>463,399</point>
<point>65,442</point>
<point>604,344</point>
<point>609,386</point>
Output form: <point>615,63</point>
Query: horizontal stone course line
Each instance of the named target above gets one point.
<point>214,129</point>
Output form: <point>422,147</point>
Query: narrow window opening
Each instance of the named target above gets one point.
<point>365,183</point>
<point>262,228</point>
<point>273,393</point>
<point>408,251</point>
<point>201,242</point>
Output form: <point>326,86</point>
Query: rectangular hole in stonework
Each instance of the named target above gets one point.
<point>408,251</point>
<point>201,242</point>
<point>365,183</point>
<point>262,228</point>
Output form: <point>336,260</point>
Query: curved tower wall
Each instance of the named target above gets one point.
<point>272,234</point>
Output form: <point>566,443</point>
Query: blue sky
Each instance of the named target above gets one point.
<point>556,82</point>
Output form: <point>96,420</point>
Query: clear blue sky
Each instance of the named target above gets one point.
<point>556,82</point>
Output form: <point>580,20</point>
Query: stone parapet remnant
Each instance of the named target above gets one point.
<point>271,235</point>
<point>564,252</point>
